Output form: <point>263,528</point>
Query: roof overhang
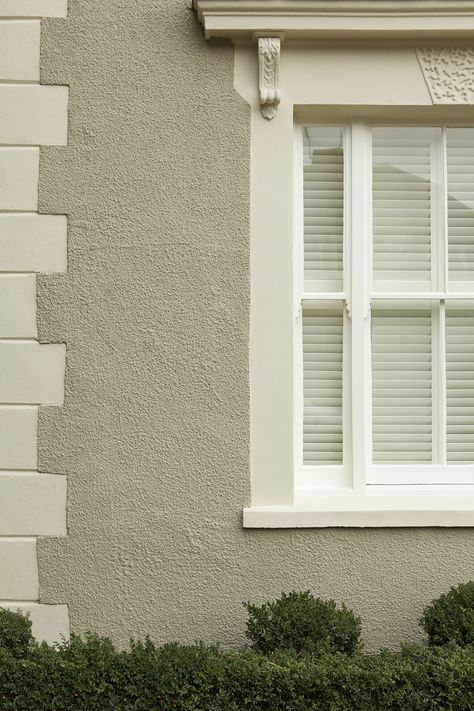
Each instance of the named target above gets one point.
<point>243,20</point>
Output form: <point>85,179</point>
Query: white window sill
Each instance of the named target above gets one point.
<point>380,507</point>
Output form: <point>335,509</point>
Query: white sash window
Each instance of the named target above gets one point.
<point>385,328</point>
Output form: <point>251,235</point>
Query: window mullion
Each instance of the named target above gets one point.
<point>444,285</point>
<point>442,382</point>
<point>360,216</point>
<point>440,269</point>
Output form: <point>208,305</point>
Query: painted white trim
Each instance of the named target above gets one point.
<point>450,514</point>
<point>322,85</point>
<point>309,19</point>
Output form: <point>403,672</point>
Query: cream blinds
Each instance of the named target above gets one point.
<point>460,177</point>
<point>322,356</point>
<point>323,209</point>
<point>401,384</point>
<point>419,302</point>
<point>460,383</point>
<point>402,208</point>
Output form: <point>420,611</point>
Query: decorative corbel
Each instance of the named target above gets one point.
<point>269,75</point>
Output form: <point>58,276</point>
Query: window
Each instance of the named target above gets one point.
<point>385,327</point>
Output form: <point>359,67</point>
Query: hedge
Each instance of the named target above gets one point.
<point>91,675</point>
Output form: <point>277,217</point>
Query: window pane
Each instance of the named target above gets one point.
<point>401,384</point>
<point>323,360</point>
<point>460,383</point>
<point>402,203</point>
<point>323,208</point>
<point>460,158</point>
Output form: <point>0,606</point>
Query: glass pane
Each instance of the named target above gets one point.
<point>402,203</point>
<point>401,383</point>
<point>323,208</point>
<point>460,159</point>
<point>460,382</point>
<point>322,361</point>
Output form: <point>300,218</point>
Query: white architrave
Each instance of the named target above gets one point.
<point>328,81</point>
<point>269,75</point>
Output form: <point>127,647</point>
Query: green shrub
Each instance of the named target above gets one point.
<point>91,675</point>
<point>15,632</point>
<point>450,618</point>
<point>304,624</point>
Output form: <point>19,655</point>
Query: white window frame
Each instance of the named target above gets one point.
<point>358,470</point>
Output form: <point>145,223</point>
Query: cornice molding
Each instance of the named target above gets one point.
<point>240,20</point>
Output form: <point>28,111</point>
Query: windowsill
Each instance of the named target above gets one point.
<point>380,507</point>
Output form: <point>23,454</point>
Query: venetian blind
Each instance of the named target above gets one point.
<point>401,208</point>
<point>401,384</point>
<point>460,384</point>
<point>323,208</point>
<point>460,169</point>
<point>323,360</point>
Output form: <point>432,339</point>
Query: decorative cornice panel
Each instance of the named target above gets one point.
<point>449,74</point>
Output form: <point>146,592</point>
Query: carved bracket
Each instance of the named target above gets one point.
<point>269,75</point>
<point>449,74</point>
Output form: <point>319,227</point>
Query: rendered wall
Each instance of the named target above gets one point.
<point>154,432</point>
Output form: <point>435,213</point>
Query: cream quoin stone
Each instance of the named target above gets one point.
<point>18,432</point>
<point>50,623</point>
<point>19,170</point>
<point>32,373</point>
<point>32,504</point>
<point>33,243</point>
<point>18,569</point>
<point>33,115</point>
<point>19,50</point>
<point>33,8</point>
<point>18,306</point>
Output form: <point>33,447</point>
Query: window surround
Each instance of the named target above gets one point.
<point>310,94</point>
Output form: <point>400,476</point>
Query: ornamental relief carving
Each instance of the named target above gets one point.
<point>269,73</point>
<point>449,74</point>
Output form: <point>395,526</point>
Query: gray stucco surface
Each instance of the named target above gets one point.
<point>154,434</point>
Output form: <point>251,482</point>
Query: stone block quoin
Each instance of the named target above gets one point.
<point>32,504</point>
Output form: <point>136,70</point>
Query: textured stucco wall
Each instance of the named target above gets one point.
<point>154,434</point>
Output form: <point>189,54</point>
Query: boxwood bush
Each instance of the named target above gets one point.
<point>450,618</point>
<point>15,632</point>
<point>302,623</point>
<point>90,674</point>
